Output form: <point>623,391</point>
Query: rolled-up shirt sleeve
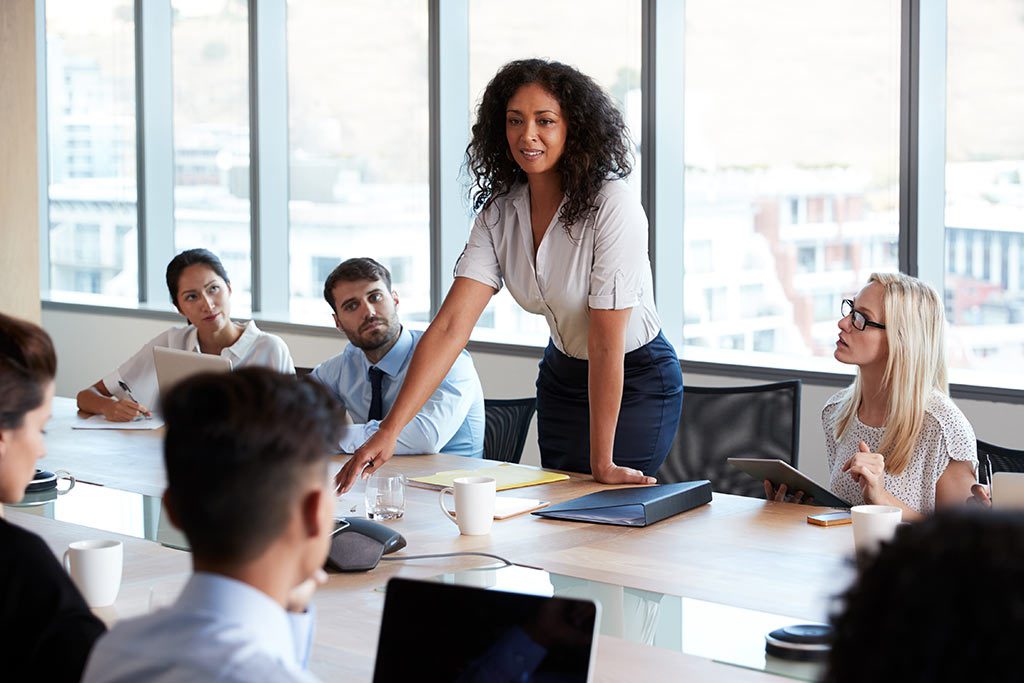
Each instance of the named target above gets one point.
<point>621,261</point>
<point>479,260</point>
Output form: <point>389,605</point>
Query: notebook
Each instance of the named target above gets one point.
<point>633,505</point>
<point>478,635</point>
<point>506,476</point>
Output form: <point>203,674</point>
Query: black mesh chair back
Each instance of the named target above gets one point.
<point>302,372</point>
<point>717,423</point>
<point>507,422</point>
<point>1001,459</point>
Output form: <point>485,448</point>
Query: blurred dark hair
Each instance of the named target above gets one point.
<point>27,365</point>
<point>597,145</point>
<point>942,602</point>
<point>238,447</point>
<point>192,257</point>
<point>354,270</point>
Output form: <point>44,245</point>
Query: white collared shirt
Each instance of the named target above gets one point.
<point>603,264</point>
<point>219,629</point>
<point>254,347</point>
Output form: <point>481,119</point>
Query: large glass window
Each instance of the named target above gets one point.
<point>603,41</point>
<point>359,147</point>
<point>211,135</point>
<point>792,169</point>
<point>984,189</point>
<point>90,62</point>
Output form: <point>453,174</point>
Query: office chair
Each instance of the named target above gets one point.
<point>1000,459</point>
<point>717,423</point>
<point>506,423</point>
<point>302,372</point>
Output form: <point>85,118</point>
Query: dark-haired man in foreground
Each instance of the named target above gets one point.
<point>247,483</point>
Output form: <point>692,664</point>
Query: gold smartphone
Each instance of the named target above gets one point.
<point>830,518</point>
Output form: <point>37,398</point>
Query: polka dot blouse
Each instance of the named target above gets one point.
<point>946,435</point>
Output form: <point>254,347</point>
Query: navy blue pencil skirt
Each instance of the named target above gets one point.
<point>652,398</point>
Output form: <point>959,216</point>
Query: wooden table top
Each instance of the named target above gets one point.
<point>735,551</point>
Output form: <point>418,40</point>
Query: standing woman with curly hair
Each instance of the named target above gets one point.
<point>559,227</point>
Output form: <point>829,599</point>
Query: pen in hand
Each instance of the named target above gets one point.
<point>126,389</point>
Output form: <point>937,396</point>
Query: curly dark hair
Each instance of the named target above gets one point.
<point>918,613</point>
<point>597,145</point>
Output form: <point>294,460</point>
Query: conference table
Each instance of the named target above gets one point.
<point>736,559</point>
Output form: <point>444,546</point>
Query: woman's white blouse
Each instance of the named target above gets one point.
<point>254,347</point>
<point>603,264</point>
<point>946,435</point>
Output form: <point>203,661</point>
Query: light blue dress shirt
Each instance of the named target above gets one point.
<point>451,421</point>
<point>219,629</point>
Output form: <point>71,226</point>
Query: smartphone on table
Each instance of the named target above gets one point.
<point>830,518</point>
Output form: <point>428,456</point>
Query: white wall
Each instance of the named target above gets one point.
<point>90,345</point>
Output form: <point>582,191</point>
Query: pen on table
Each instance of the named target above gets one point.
<point>126,389</point>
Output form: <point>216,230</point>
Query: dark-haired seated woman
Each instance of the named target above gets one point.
<point>47,630</point>
<point>201,291</point>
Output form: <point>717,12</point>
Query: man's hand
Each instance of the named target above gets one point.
<point>300,596</point>
<point>611,473</point>
<point>367,459</point>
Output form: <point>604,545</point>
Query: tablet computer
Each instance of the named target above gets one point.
<point>174,365</point>
<point>781,472</point>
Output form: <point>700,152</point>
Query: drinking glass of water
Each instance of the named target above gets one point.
<point>385,496</point>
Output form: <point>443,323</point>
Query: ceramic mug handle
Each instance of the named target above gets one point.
<point>440,501</point>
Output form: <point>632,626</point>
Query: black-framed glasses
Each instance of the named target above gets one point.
<point>860,321</point>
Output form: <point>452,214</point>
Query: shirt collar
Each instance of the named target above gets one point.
<point>235,602</point>
<point>249,336</point>
<point>397,355</point>
<point>192,339</point>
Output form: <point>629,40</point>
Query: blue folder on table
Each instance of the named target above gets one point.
<point>632,506</point>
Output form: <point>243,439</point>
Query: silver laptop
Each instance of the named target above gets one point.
<point>461,634</point>
<point>174,365</point>
<point>1008,490</point>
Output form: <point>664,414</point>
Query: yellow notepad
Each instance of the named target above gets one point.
<point>506,476</point>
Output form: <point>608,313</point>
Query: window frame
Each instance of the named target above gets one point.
<point>921,239</point>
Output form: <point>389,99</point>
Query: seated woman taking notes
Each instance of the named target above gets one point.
<point>894,437</point>
<point>201,291</point>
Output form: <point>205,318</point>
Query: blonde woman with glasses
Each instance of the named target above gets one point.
<point>894,436</point>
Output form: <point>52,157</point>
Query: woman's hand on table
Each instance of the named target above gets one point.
<point>610,473</point>
<point>367,459</point>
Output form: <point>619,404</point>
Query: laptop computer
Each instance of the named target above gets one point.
<point>442,632</point>
<point>174,365</point>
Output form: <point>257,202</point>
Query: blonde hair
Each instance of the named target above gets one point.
<point>915,333</point>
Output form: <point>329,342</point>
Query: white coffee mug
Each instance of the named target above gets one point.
<point>874,525</point>
<point>95,567</point>
<point>474,504</point>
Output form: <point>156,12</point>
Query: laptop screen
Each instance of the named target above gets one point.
<point>440,632</point>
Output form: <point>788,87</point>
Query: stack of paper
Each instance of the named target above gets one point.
<point>506,476</point>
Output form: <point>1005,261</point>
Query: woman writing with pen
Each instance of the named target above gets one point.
<point>201,291</point>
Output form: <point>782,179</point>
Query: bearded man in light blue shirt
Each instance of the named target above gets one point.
<point>367,376</point>
<point>247,482</point>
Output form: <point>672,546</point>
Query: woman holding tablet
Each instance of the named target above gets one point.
<point>48,631</point>
<point>894,437</point>
<point>561,229</point>
<point>201,291</point>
